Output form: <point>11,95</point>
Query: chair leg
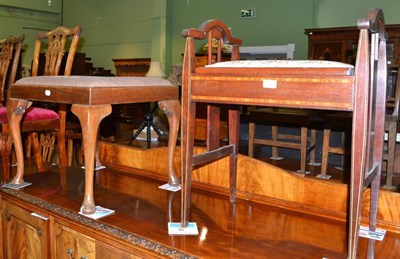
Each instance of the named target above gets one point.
<point>303,149</point>
<point>325,150</point>
<point>252,132</point>
<point>343,144</point>
<point>61,139</point>
<point>47,141</point>
<point>70,152</point>
<point>274,132</point>
<point>36,150</point>
<point>313,143</point>
<point>28,147</point>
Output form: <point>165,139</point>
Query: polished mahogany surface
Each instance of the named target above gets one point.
<point>245,229</point>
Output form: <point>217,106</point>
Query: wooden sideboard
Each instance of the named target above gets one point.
<point>131,66</point>
<point>42,220</point>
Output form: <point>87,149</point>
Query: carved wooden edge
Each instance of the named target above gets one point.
<point>75,217</point>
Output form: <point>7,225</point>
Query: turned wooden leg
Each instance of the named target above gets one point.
<point>90,118</point>
<point>172,110</point>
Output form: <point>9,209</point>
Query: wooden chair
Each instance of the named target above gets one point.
<point>10,52</point>
<point>339,122</point>
<point>41,119</point>
<point>292,119</point>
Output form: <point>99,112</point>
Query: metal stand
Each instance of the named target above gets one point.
<point>148,124</point>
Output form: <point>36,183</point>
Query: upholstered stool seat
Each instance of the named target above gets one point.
<point>324,64</point>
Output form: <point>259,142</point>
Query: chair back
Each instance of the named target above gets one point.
<point>10,52</point>
<point>56,42</point>
<point>217,33</point>
<point>56,48</point>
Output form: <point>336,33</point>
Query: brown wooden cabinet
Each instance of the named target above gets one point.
<point>69,243</point>
<point>340,43</point>
<point>30,233</point>
<point>24,231</point>
<point>105,251</point>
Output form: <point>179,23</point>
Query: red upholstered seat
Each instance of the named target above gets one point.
<point>32,114</point>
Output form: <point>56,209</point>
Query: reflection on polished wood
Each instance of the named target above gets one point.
<point>260,182</point>
<point>246,229</point>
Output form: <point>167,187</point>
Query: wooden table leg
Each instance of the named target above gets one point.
<point>172,110</point>
<point>90,117</point>
<point>15,110</point>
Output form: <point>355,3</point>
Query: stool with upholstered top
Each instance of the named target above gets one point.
<point>91,99</point>
<point>291,84</point>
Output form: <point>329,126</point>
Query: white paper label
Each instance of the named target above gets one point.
<point>47,92</point>
<point>175,228</point>
<point>269,84</point>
